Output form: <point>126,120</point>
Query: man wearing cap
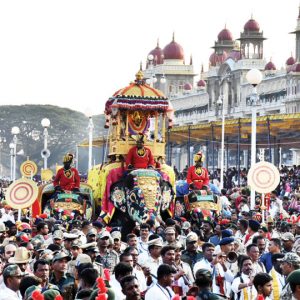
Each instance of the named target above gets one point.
<point>57,237</point>
<point>118,245</point>
<point>69,238</point>
<point>91,235</point>
<point>191,255</point>
<point>170,235</point>
<point>289,263</point>
<point>92,251</point>
<point>60,277</point>
<point>288,240</point>
<point>21,258</point>
<point>12,276</point>
<point>162,289</point>
<point>107,257</point>
<point>297,235</point>
<point>294,281</point>
<point>197,176</point>
<point>139,156</point>
<point>153,260</point>
<point>75,251</point>
<point>67,178</point>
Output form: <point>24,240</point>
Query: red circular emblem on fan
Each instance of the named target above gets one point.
<point>28,168</point>
<point>22,193</point>
<point>263,177</point>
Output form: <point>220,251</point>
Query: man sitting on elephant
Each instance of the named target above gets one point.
<point>197,176</point>
<point>139,156</point>
<point>67,178</point>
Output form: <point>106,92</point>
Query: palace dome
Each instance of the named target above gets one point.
<point>187,87</point>
<point>158,55</point>
<point>290,61</point>
<point>173,51</point>
<point>270,66</point>
<point>201,83</point>
<point>252,25</point>
<point>217,59</point>
<point>225,35</point>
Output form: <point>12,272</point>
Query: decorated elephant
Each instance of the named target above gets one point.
<point>142,195</point>
<point>67,205</point>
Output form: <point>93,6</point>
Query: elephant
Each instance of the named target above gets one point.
<point>141,195</point>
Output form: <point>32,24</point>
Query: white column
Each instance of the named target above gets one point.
<point>90,128</point>
<point>222,149</point>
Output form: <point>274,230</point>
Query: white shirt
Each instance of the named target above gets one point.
<point>142,246</point>
<point>157,292</point>
<point>251,291</point>
<point>8,294</point>
<point>215,270</point>
<point>139,274</point>
<point>151,263</point>
<point>116,287</point>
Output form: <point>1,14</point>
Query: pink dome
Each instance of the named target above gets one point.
<point>217,59</point>
<point>225,35</point>
<point>295,68</point>
<point>290,61</point>
<point>158,55</point>
<point>251,25</point>
<point>235,55</point>
<point>173,51</point>
<point>201,83</point>
<point>270,66</point>
<point>187,87</point>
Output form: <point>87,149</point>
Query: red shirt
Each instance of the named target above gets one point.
<point>139,158</point>
<point>199,179</point>
<point>67,179</point>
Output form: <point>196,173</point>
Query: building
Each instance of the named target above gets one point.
<point>196,102</point>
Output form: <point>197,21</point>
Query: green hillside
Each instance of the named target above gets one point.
<point>67,129</point>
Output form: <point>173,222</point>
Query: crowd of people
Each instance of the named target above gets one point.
<point>239,253</point>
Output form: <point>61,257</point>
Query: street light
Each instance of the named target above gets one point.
<point>153,79</point>
<point>15,131</point>
<point>45,152</point>
<point>254,77</point>
<point>221,106</point>
<point>88,113</point>
<point>2,141</point>
<point>11,147</point>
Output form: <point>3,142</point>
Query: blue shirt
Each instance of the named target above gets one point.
<point>266,259</point>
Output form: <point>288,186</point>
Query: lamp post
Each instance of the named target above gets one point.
<point>15,131</point>
<point>90,128</point>
<point>11,147</point>
<point>254,77</point>
<point>153,78</point>
<point>45,152</point>
<point>2,141</point>
<point>221,106</point>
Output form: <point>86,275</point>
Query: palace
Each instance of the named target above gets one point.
<point>196,103</point>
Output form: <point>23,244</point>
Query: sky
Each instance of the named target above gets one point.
<point>76,54</point>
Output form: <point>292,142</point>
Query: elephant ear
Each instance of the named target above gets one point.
<point>118,197</point>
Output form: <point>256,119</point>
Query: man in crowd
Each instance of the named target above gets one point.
<point>274,247</point>
<point>263,285</point>
<point>191,254</point>
<point>288,240</point>
<point>253,253</point>
<point>130,288</point>
<point>143,239</point>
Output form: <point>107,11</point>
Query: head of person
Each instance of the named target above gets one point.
<point>9,251</point>
<point>246,265</point>
<point>75,248</point>
<point>27,282</point>
<point>130,287</point>
<point>168,255</point>
<point>91,250</point>
<point>144,231</point>
<point>155,245</point>
<point>126,258</point>
<point>276,262</point>
<point>67,161</point>
<point>243,225</point>
<point>121,270</point>
<point>116,237</point>
<point>170,234</point>
<point>165,274</point>
<point>274,246</point>
<point>203,279</point>
<point>41,269</point>
<point>134,253</point>
<point>87,278</point>
<point>91,235</point>
<point>288,241</point>
<point>207,226</point>
<point>253,226</point>
<point>192,242</point>
<point>227,245</point>
<point>42,228</point>
<point>140,142</point>
<point>253,252</point>
<point>208,251</point>
<point>60,262</point>
<point>131,239</point>
<point>103,240</point>
<point>289,263</point>
<point>261,243</point>
<point>294,280</point>
<point>263,284</point>
<point>12,276</point>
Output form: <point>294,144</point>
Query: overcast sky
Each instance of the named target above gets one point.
<point>76,54</point>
